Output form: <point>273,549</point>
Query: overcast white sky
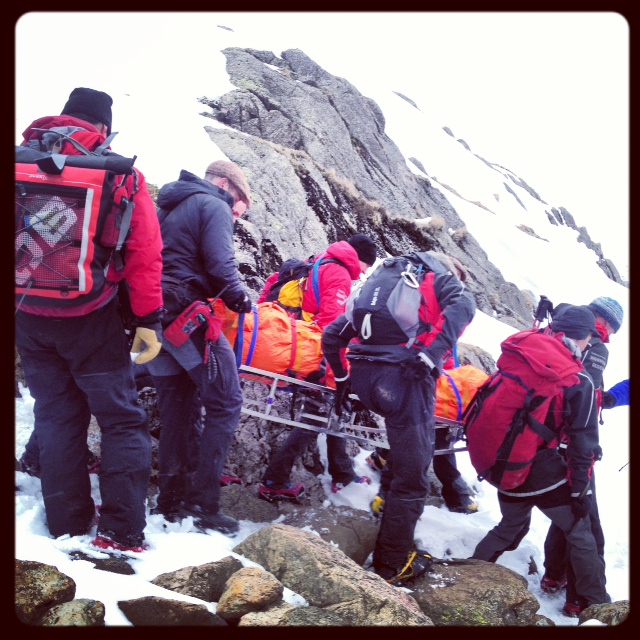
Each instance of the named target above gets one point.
<point>545,94</point>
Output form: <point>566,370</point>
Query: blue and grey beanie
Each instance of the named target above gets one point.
<point>609,309</point>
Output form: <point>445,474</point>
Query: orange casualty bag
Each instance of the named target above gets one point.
<point>455,389</point>
<point>271,340</point>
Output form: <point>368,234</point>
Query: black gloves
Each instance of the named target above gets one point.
<point>343,387</point>
<point>597,452</point>
<point>419,366</point>
<point>580,507</point>
<point>608,400</point>
<point>242,304</point>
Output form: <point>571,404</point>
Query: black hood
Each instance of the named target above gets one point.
<point>188,184</point>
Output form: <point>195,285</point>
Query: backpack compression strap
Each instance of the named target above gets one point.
<point>457,394</point>
<point>315,275</point>
<point>240,338</point>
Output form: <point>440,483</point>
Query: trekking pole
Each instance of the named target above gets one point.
<point>623,466</point>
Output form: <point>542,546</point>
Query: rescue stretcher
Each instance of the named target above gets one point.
<point>311,406</point>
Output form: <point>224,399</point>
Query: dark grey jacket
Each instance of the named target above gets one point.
<point>198,255</point>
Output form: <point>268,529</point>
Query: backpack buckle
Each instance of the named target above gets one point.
<point>409,278</point>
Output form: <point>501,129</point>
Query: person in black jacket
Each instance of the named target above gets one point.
<point>561,488</point>
<point>196,220</point>
<point>558,574</point>
<point>398,382</point>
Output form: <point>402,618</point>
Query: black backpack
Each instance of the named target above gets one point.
<point>293,279</point>
<point>72,216</point>
<point>393,305</point>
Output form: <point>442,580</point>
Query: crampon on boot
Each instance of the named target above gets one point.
<point>377,506</point>
<point>128,544</point>
<point>376,461</point>
<point>571,609</point>
<point>338,486</point>
<point>549,585</point>
<point>418,563</point>
<point>273,491</point>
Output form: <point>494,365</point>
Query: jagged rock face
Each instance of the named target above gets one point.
<point>321,168</point>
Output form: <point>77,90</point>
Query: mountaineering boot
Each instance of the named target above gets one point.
<point>206,520</point>
<point>571,609</point>
<point>93,463</point>
<point>549,585</point>
<point>28,466</point>
<point>273,491</point>
<point>418,563</point>
<point>170,515</point>
<point>225,481</point>
<point>109,541</point>
<point>377,506</point>
<point>472,507</point>
<point>338,486</point>
<point>376,461</point>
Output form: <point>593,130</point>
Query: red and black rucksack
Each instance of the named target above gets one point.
<point>518,411</point>
<point>72,216</point>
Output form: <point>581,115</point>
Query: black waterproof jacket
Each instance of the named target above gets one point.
<point>198,255</point>
<point>594,360</point>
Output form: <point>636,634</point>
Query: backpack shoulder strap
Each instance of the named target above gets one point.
<point>103,148</point>
<point>125,224</point>
<point>315,274</point>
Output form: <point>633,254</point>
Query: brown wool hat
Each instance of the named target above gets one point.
<point>91,102</point>
<point>452,264</point>
<point>233,173</point>
<point>461,271</point>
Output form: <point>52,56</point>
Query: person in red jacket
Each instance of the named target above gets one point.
<point>562,486</point>
<point>77,364</point>
<point>340,264</point>
<point>608,314</point>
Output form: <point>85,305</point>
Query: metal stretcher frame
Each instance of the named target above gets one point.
<point>319,410</point>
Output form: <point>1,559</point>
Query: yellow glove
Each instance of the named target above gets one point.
<point>150,339</point>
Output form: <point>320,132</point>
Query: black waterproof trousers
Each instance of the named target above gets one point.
<point>179,375</point>
<point>339,462</point>
<point>556,564</point>
<point>76,368</point>
<point>406,400</point>
<point>582,550</point>
<point>455,492</point>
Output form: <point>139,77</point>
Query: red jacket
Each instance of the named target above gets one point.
<point>142,255</point>
<point>334,284</point>
<point>269,282</point>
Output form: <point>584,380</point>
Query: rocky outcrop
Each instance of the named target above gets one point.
<point>315,152</point>
<point>330,588</point>
<point>38,588</point>
<point>328,579</point>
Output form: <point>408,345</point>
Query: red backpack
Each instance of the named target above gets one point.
<point>508,420</point>
<point>72,217</point>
